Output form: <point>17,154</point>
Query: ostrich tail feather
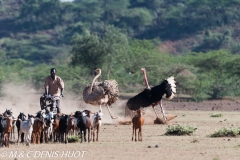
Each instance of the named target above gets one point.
<point>172,83</point>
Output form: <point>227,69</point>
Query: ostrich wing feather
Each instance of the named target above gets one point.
<point>143,99</point>
<point>95,95</point>
<point>172,84</point>
<point>99,91</point>
<point>111,90</point>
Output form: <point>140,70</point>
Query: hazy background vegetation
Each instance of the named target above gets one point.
<point>197,41</point>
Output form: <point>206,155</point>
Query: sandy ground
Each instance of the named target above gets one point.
<point>115,140</point>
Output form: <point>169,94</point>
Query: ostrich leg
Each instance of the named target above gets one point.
<point>113,117</point>
<point>155,111</point>
<point>164,116</point>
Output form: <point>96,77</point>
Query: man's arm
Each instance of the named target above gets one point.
<point>62,90</point>
<point>46,91</point>
<point>61,83</point>
<point>46,86</point>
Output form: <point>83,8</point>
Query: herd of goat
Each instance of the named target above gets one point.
<point>46,126</point>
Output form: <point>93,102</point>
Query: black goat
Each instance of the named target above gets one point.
<point>63,128</point>
<point>84,124</point>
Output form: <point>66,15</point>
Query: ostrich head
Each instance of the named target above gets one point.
<point>98,71</point>
<point>143,69</point>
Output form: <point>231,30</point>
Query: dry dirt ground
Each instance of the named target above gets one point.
<point>115,139</point>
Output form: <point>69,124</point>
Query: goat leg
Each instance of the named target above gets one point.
<point>94,135</point>
<point>28,138</point>
<point>85,132</point>
<point>140,134</point>
<point>81,135</point>
<point>33,138</point>
<point>135,134</point>
<point>66,137</point>
<point>7,139</point>
<point>18,139</point>
<point>97,133</point>
<point>1,139</point>
<point>13,131</point>
<point>88,134</point>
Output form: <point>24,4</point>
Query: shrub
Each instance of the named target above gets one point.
<point>73,139</point>
<point>216,115</point>
<point>225,132</point>
<point>184,129</point>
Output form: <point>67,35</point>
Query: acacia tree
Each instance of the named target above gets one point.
<point>103,50</point>
<point>86,50</point>
<point>115,47</point>
<point>213,78</point>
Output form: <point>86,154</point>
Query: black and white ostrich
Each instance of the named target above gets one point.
<point>151,96</point>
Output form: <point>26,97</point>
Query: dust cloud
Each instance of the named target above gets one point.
<point>19,99</point>
<point>24,98</point>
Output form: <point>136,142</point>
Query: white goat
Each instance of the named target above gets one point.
<point>96,122</point>
<point>26,127</point>
<point>48,130</point>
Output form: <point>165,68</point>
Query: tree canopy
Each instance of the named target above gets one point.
<point>196,41</point>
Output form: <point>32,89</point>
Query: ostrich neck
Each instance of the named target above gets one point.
<point>145,79</point>
<point>93,81</point>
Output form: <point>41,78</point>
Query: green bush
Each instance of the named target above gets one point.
<point>216,115</point>
<point>73,139</point>
<point>184,129</point>
<point>225,132</point>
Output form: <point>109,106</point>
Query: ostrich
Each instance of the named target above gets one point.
<point>101,93</point>
<point>153,96</point>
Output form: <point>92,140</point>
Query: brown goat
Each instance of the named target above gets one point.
<point>138,122</point>
<point>7,131</point>
<point>71,126</point>
<point>56,132</point>
<point>38,127</point>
